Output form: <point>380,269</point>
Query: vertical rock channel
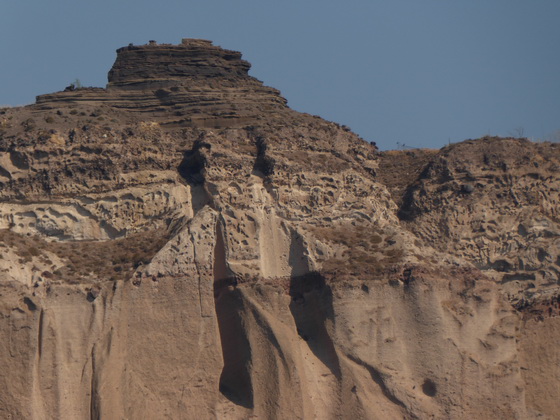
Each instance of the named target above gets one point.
<point>235,380</point>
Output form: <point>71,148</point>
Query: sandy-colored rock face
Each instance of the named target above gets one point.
<point>159,262</point>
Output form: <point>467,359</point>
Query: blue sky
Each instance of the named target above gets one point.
<point>414,72</point>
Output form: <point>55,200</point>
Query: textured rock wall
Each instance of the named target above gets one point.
<point>191,84</point>
<point>281,268</point>
<point>495,203</point>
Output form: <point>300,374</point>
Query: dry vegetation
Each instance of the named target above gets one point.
<point>100,260</point>
<point>399,169</point>
<point>366,249</point>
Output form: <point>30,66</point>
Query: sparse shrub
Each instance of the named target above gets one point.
<point>364,248</point>
<point>28,124</point>
<point>33,251</point>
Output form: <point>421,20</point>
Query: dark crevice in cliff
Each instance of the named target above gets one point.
<point>194,161</point>
<point>312,308</point>
<point>191,169</point>
<point>40,334</point>
<point>407,211</point>
<point>235,380</point>
<point>264,164</point>
<point>95,413</point>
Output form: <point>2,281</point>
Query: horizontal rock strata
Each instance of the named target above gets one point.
<point>194,83</point>
<point>241,260</point>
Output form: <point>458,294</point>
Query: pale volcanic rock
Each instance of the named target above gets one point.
<point>181,244</point>
<point>495,202</point>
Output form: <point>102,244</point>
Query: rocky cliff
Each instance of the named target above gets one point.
<point>191,84</point>
<point>182,245</point>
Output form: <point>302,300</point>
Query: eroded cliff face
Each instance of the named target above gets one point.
<point>160,262</point>
<point>191,84</point>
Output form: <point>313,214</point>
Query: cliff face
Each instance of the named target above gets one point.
<point>209,253</point>
<point>191,84</point>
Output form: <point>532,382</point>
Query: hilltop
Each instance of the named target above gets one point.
<point>181,244</point>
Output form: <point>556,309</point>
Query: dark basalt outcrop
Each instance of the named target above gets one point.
<point>191,84</point>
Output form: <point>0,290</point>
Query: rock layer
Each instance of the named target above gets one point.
<point>191,84</point>
<point>265,267</point>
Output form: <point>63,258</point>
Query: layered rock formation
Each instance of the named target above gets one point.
<point>191,84</point>
<point>241,260</point>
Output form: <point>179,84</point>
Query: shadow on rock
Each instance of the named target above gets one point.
<point>235,381</point>
<point>312,309</point>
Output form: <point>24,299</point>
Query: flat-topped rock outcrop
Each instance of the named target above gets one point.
<point>193,58</point>
<point>194,83</point>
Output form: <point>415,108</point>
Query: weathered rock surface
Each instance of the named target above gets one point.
<point>241,260</point>
<point>191,84</point>
<point>495,202</point>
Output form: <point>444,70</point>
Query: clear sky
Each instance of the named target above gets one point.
<point>414,72</point>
